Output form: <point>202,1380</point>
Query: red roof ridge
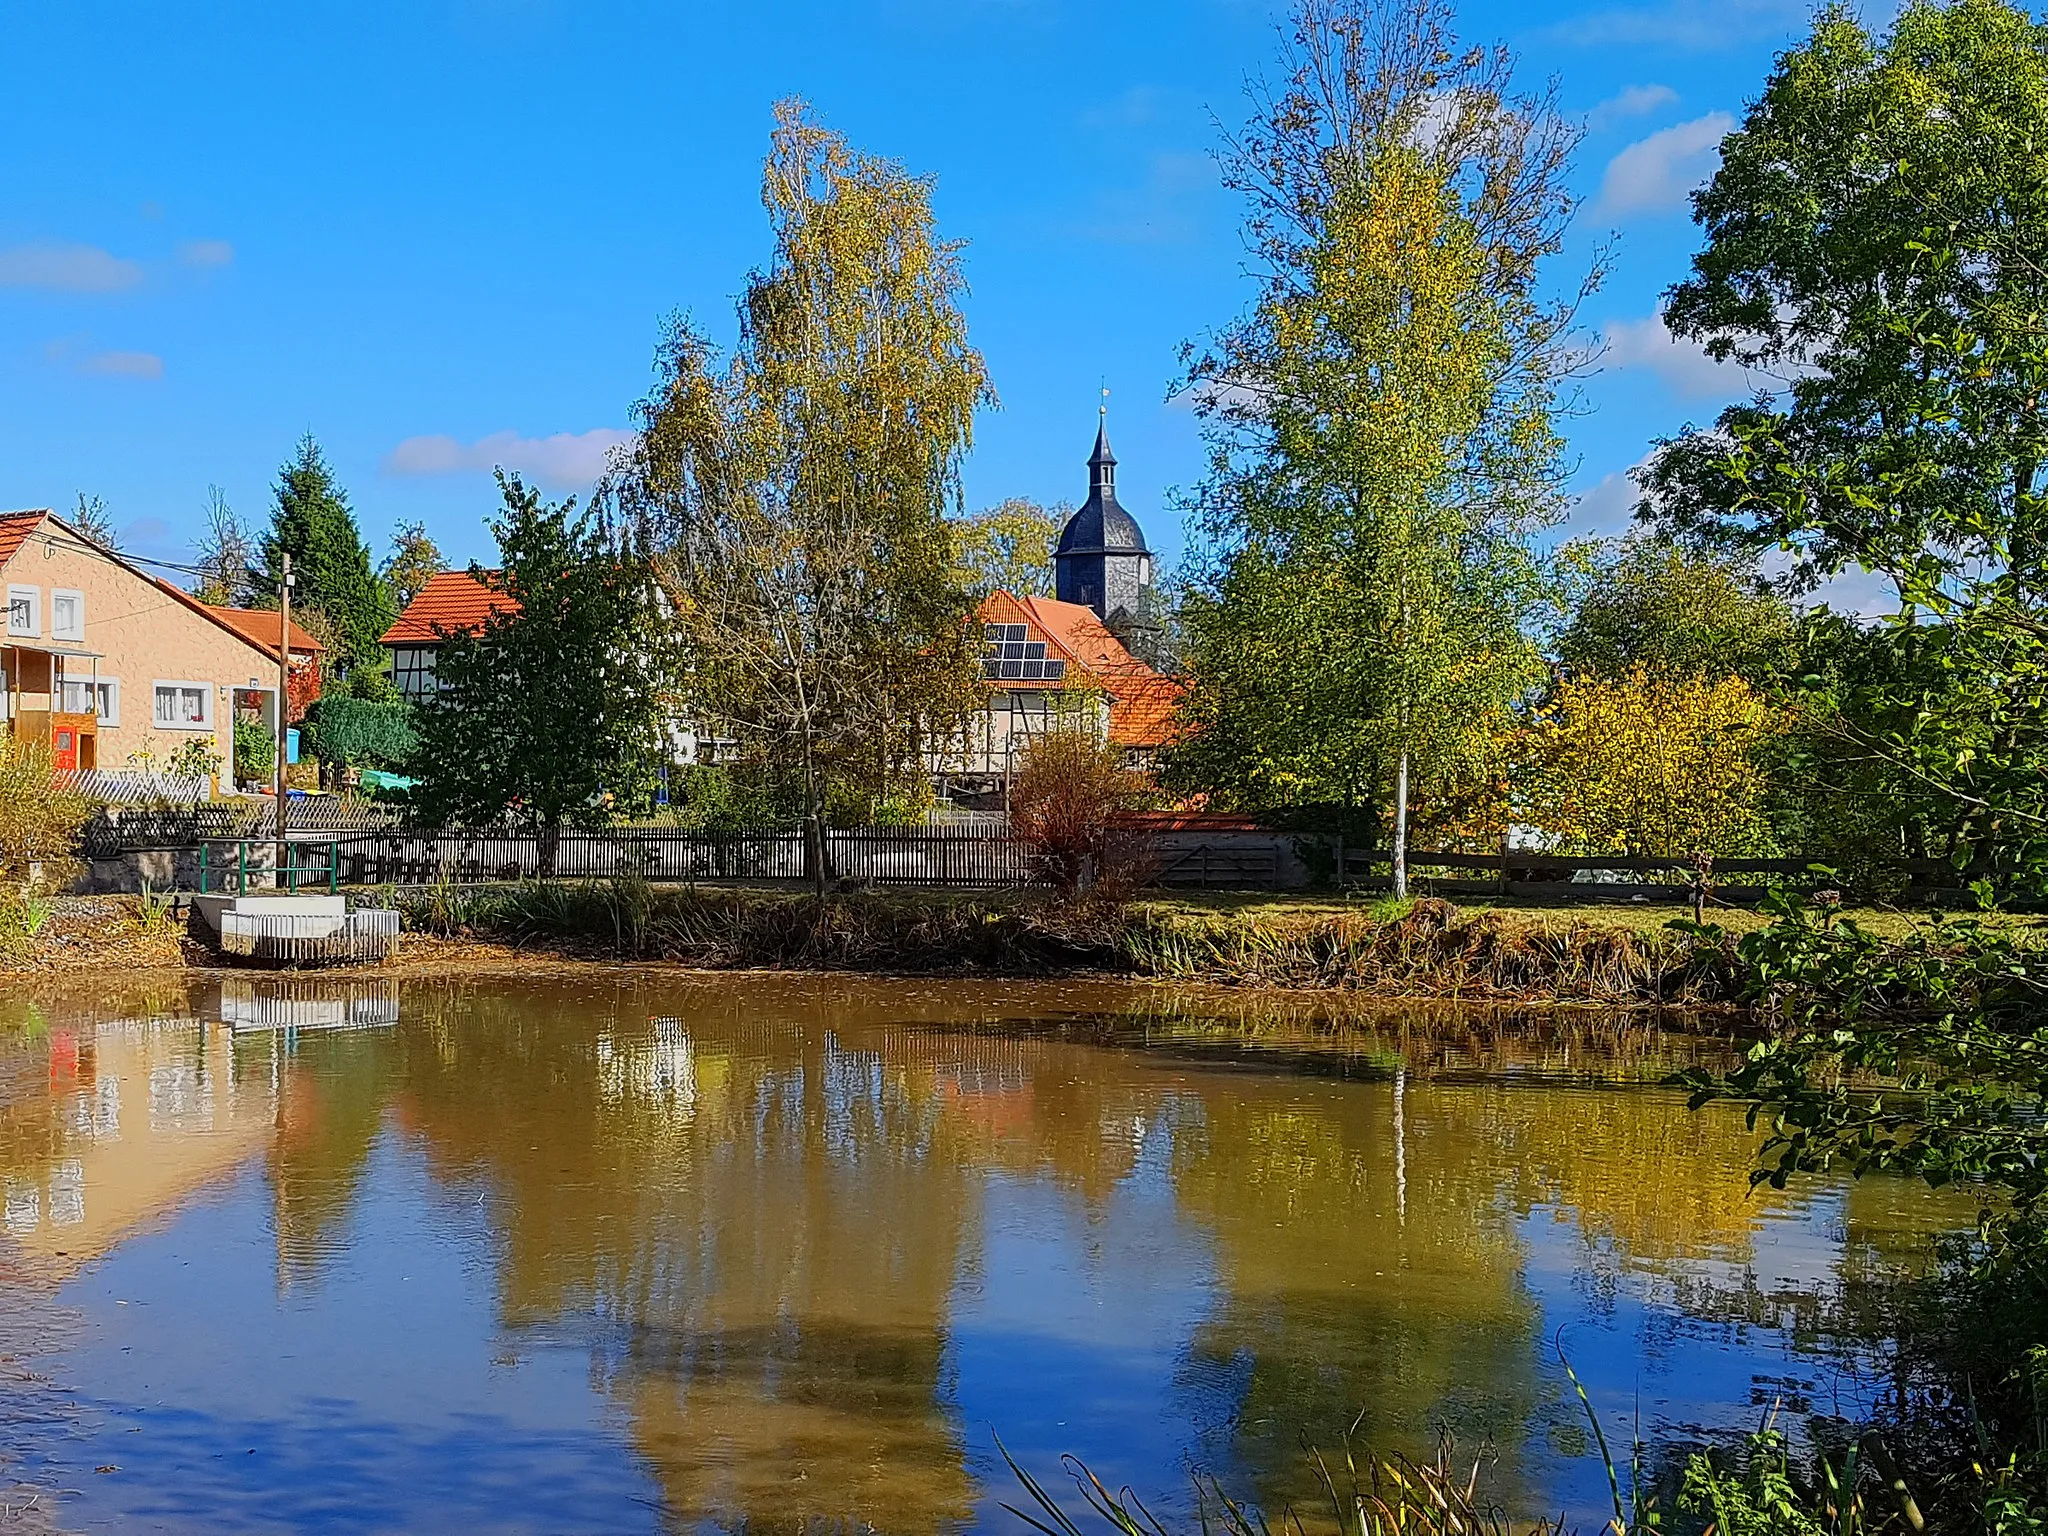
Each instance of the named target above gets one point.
<point>302,639</point>
<point>450,601</point>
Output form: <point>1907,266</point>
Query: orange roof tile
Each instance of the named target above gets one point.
<point>1141,701</point>
<point>259,627</point>
<point>448,603</point>
<point>15,527</point>
<point>1141,711</point>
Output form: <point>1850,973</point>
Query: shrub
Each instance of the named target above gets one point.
<point>1066,808</point>
<point>40,817</point>
<point>255,751</point>
<point>354,732</point>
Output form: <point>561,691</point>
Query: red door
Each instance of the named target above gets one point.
<point>64,743</point>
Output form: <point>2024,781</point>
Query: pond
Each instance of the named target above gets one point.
<point>625,1251</point>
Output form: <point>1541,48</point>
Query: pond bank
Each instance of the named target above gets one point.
<point>1434,949</point>
<point>1610,956</point>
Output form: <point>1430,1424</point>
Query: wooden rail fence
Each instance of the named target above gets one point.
<point>1540,875</point>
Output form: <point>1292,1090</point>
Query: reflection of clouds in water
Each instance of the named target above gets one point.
<point>802,1244</point>
<point>658,1070</point>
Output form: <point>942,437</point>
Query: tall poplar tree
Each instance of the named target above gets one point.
<point>311,520</point>
<point>796,491</point>
<point>1380,422</point>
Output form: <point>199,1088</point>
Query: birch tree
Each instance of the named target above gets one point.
<point>1381,422</point>
<point>795,491</point>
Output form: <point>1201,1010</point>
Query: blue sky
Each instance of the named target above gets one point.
<point>444,233</point>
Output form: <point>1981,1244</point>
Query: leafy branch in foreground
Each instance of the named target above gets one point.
<point>1926,1056</point>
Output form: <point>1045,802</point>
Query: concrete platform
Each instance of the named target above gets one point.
<point>312,916</point>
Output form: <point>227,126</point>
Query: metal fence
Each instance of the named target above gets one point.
<point>367,934</point>
<point>967,856</point>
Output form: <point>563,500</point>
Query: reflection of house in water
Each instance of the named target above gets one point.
<point>135,1119</point>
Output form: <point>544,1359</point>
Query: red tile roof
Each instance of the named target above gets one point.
<point>15,527</point>
<point>1141,711</point>
<point>259,627</point>
<point>1141,700</point>
<point>448,603</point>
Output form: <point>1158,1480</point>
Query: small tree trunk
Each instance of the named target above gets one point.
<point>814,850</point>
<point>549,841</point>
<point>1401,827</point>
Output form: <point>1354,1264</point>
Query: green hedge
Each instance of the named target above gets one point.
<point>359,733</point>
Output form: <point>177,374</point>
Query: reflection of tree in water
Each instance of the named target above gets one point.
<point>751,1201</point>
<point>333,1090</point>
<point>752,1223</point>
<point>1359,1283</point>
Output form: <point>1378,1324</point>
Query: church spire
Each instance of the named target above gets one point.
<point>1102,462</point>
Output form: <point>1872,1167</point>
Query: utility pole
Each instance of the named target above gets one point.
<point>284,692</point>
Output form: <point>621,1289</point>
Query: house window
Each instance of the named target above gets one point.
<point>184,706</point>
<point>412,668</point>
<point>67,614</point>
<point>25,611</point>
<point>83,696</point>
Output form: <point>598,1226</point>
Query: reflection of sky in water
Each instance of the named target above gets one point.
<point>381,1397</point>
<point>558,1262</point>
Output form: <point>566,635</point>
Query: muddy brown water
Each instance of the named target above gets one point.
<point>622,1251</point>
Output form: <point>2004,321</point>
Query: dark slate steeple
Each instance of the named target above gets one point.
<point>1102,562</point>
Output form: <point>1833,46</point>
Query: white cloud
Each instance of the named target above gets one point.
<point>1633,101</point>
<point>1683,365</point>
<point>66,268</point>
<point>1857,591</point>
<point>1696,25</point>
<point>1215,394</point>
<point>205,253</point>
<point>565,459</point>
<point>124,365</point>
<point>1655,174</point>
<point>1607,508</point>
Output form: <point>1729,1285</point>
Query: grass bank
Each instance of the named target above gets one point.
<point>1428,949</point>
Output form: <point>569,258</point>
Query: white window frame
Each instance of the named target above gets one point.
<point>205,723</point>
<point>76,631</point>
<point>15,594</point>
<point>105,693</point>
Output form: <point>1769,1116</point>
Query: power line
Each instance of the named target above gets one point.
<point>59,542</point>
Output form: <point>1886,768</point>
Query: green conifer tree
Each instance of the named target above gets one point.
<point>313,523</point>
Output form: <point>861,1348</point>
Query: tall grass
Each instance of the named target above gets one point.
<point>1428,948</point>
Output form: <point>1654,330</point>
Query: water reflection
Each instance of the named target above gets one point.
<point>784,1250</point>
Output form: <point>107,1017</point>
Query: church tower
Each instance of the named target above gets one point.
<point>1102,562</point>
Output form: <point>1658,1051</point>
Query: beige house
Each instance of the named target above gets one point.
<point>112,668</point>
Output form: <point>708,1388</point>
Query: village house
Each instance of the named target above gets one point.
<point>1056,664</point>
<point>110,667</point>
<point>459,602</point>
<point>452,602</point>
<point>1049,663</point>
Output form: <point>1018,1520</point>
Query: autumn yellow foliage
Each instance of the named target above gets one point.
<point>1651,766</point>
